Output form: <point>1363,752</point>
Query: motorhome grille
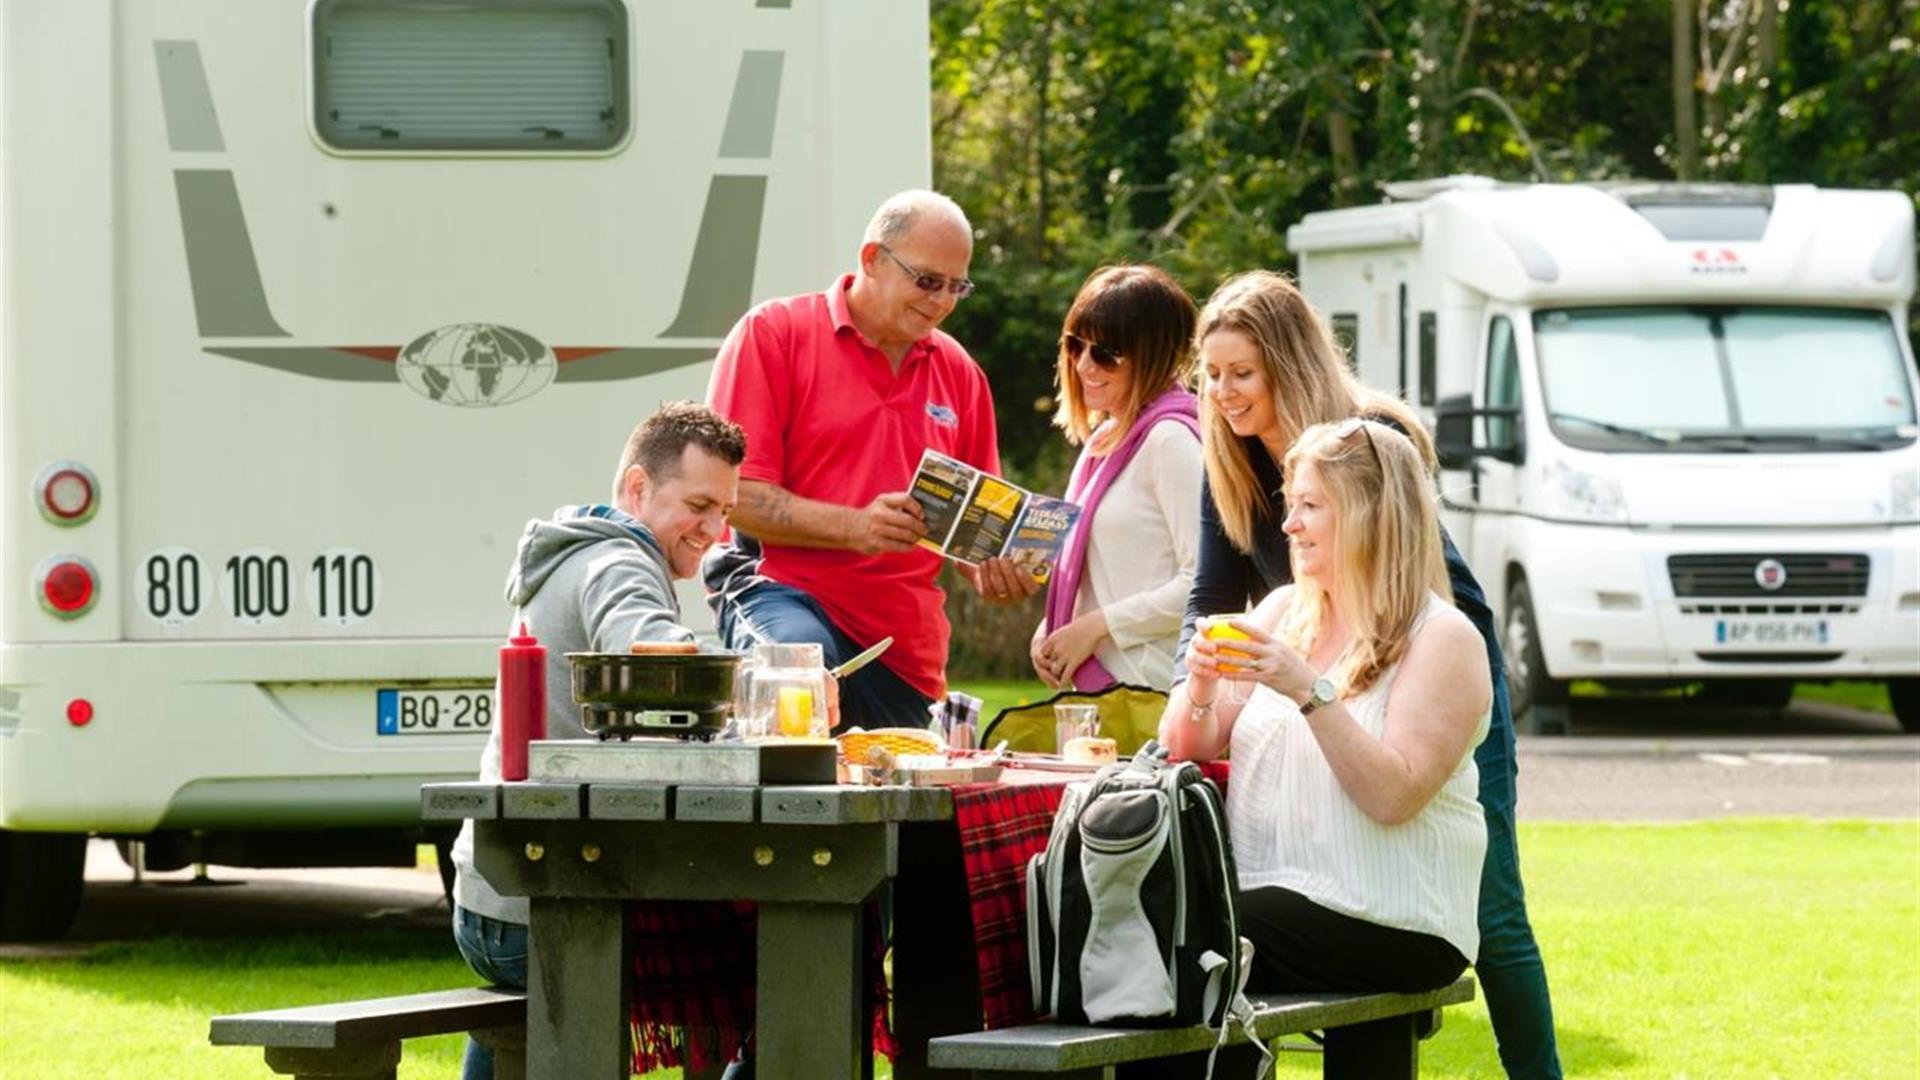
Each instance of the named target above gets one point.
<point>1770,609</point>
<point>1737,575</point>
<point>1769,657</point>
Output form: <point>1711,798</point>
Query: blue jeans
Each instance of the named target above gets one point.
<point>873,697</point>
<point>497,952</point>
<point>1512,976</point>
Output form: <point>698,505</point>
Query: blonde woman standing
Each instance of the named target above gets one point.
<point>1115,599</point>
<point>1270,370</point>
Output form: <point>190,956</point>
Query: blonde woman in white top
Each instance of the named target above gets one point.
<point>1352,801</point>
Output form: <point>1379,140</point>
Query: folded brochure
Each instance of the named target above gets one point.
<point>972,516</point>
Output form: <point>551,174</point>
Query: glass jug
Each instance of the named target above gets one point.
<point>786,693</point>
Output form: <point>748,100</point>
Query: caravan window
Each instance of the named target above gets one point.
<point>1779,379</point>
<point>523,75</point>
<point>1346,334</point>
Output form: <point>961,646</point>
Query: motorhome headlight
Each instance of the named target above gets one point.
<point>1905,501</point>
<point>1579,495</point>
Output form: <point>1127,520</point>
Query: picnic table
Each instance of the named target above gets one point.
<point>810,856</point>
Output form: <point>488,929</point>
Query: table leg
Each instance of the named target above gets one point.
<point>1376,1049</point>
<point>936,977</point>
<point>577,1022</point>
<point>810,1016</point>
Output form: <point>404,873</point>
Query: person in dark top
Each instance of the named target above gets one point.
<point>1270,369</point>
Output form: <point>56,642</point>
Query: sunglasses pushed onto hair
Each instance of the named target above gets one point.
<point>1105,355</point>
<point>961,288</point>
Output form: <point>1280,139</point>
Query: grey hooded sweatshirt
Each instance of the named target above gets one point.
<point>592,579</point>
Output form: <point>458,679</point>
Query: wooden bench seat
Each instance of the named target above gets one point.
<point>1367,1036</point>
<point>360,1040</point>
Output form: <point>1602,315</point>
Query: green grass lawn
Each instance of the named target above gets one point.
<point>1722,949</point>
<point>1871,696</point>
<point>1000,694</point>
<point>1867,696</point>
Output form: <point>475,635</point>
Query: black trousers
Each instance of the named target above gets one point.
<point>1300,947</point>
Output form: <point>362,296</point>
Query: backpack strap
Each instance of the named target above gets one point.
<point>1240,1008</point>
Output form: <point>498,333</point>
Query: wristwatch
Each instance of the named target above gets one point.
<point>1323,693</point>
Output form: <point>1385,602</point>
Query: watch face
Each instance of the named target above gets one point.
<point>1323,690</point>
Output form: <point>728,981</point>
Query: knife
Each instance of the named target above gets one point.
<point>862,660</point>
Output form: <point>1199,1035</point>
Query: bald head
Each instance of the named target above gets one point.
<point>900,214</point>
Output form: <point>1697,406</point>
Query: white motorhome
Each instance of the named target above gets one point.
<point>1677,422</point>
<point>306,306</point>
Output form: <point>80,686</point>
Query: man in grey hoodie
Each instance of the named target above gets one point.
<point>596,579</point>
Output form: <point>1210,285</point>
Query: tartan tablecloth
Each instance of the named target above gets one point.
<point>693,981</point>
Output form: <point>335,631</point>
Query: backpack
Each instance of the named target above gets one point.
<point>1130,909</point>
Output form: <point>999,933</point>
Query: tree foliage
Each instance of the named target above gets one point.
<point>1191,133</point>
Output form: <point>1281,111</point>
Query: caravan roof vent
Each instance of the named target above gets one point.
<point>1699,212</point>
<point>1411,190</point>
<point>1698,221</point>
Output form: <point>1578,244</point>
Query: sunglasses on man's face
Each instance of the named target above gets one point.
<point>961,288</point>
<point>1105,355</point>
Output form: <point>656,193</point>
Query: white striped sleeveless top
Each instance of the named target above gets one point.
<point>1294,826</point>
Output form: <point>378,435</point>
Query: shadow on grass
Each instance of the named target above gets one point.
<point>216,974</point>
<point>1464,1046</point>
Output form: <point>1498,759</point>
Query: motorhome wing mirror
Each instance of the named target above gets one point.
<point>1453,433</point>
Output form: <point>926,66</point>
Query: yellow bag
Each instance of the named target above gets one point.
<point>1129,715</point>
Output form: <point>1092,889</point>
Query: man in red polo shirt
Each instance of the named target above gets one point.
<point>840,392</point>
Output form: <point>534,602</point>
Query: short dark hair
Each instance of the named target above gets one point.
<point>660,440</point>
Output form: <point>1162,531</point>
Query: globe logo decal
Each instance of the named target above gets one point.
<point>476,365</point>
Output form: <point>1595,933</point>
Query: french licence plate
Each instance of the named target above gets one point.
<point>460,710</point>
<point>1781,632</point>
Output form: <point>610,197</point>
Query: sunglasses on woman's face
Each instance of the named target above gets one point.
<point>1105,355</point>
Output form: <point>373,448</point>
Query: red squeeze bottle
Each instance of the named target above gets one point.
<point>523,700</point>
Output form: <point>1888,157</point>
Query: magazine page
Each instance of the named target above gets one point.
<point>972,516</point>
<point>986,521</point>
<point>941,486</point>
<point>1036,542</point>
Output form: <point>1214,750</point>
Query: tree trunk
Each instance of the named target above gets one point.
<point>1686,124</point>
<point>1040,164</point>
<point>1766,55</point>
<point>1436,88</point>
<point>1346,161</point>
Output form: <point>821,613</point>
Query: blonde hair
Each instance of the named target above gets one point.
<point>1386,547</point>
<point>1149,318</point>
<point>1308,376</point>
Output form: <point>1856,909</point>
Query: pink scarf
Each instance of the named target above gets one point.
<point>1092,475</point>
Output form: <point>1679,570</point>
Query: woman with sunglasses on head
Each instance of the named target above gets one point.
<point>1353,808</point>
<point>1115,599</point>
<point>1269,370</point>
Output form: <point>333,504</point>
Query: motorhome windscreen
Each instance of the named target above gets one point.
<point>1686,379</point>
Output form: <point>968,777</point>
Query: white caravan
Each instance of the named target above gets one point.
<point>305,308</point>
<point>1677,422</point>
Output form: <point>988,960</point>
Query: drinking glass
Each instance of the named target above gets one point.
<point>787,693</point>
<point>1219,628</point>
<point>1072,721</point>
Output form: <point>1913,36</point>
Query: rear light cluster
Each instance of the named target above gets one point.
<point>67,586</point>
<point>67,494</point>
